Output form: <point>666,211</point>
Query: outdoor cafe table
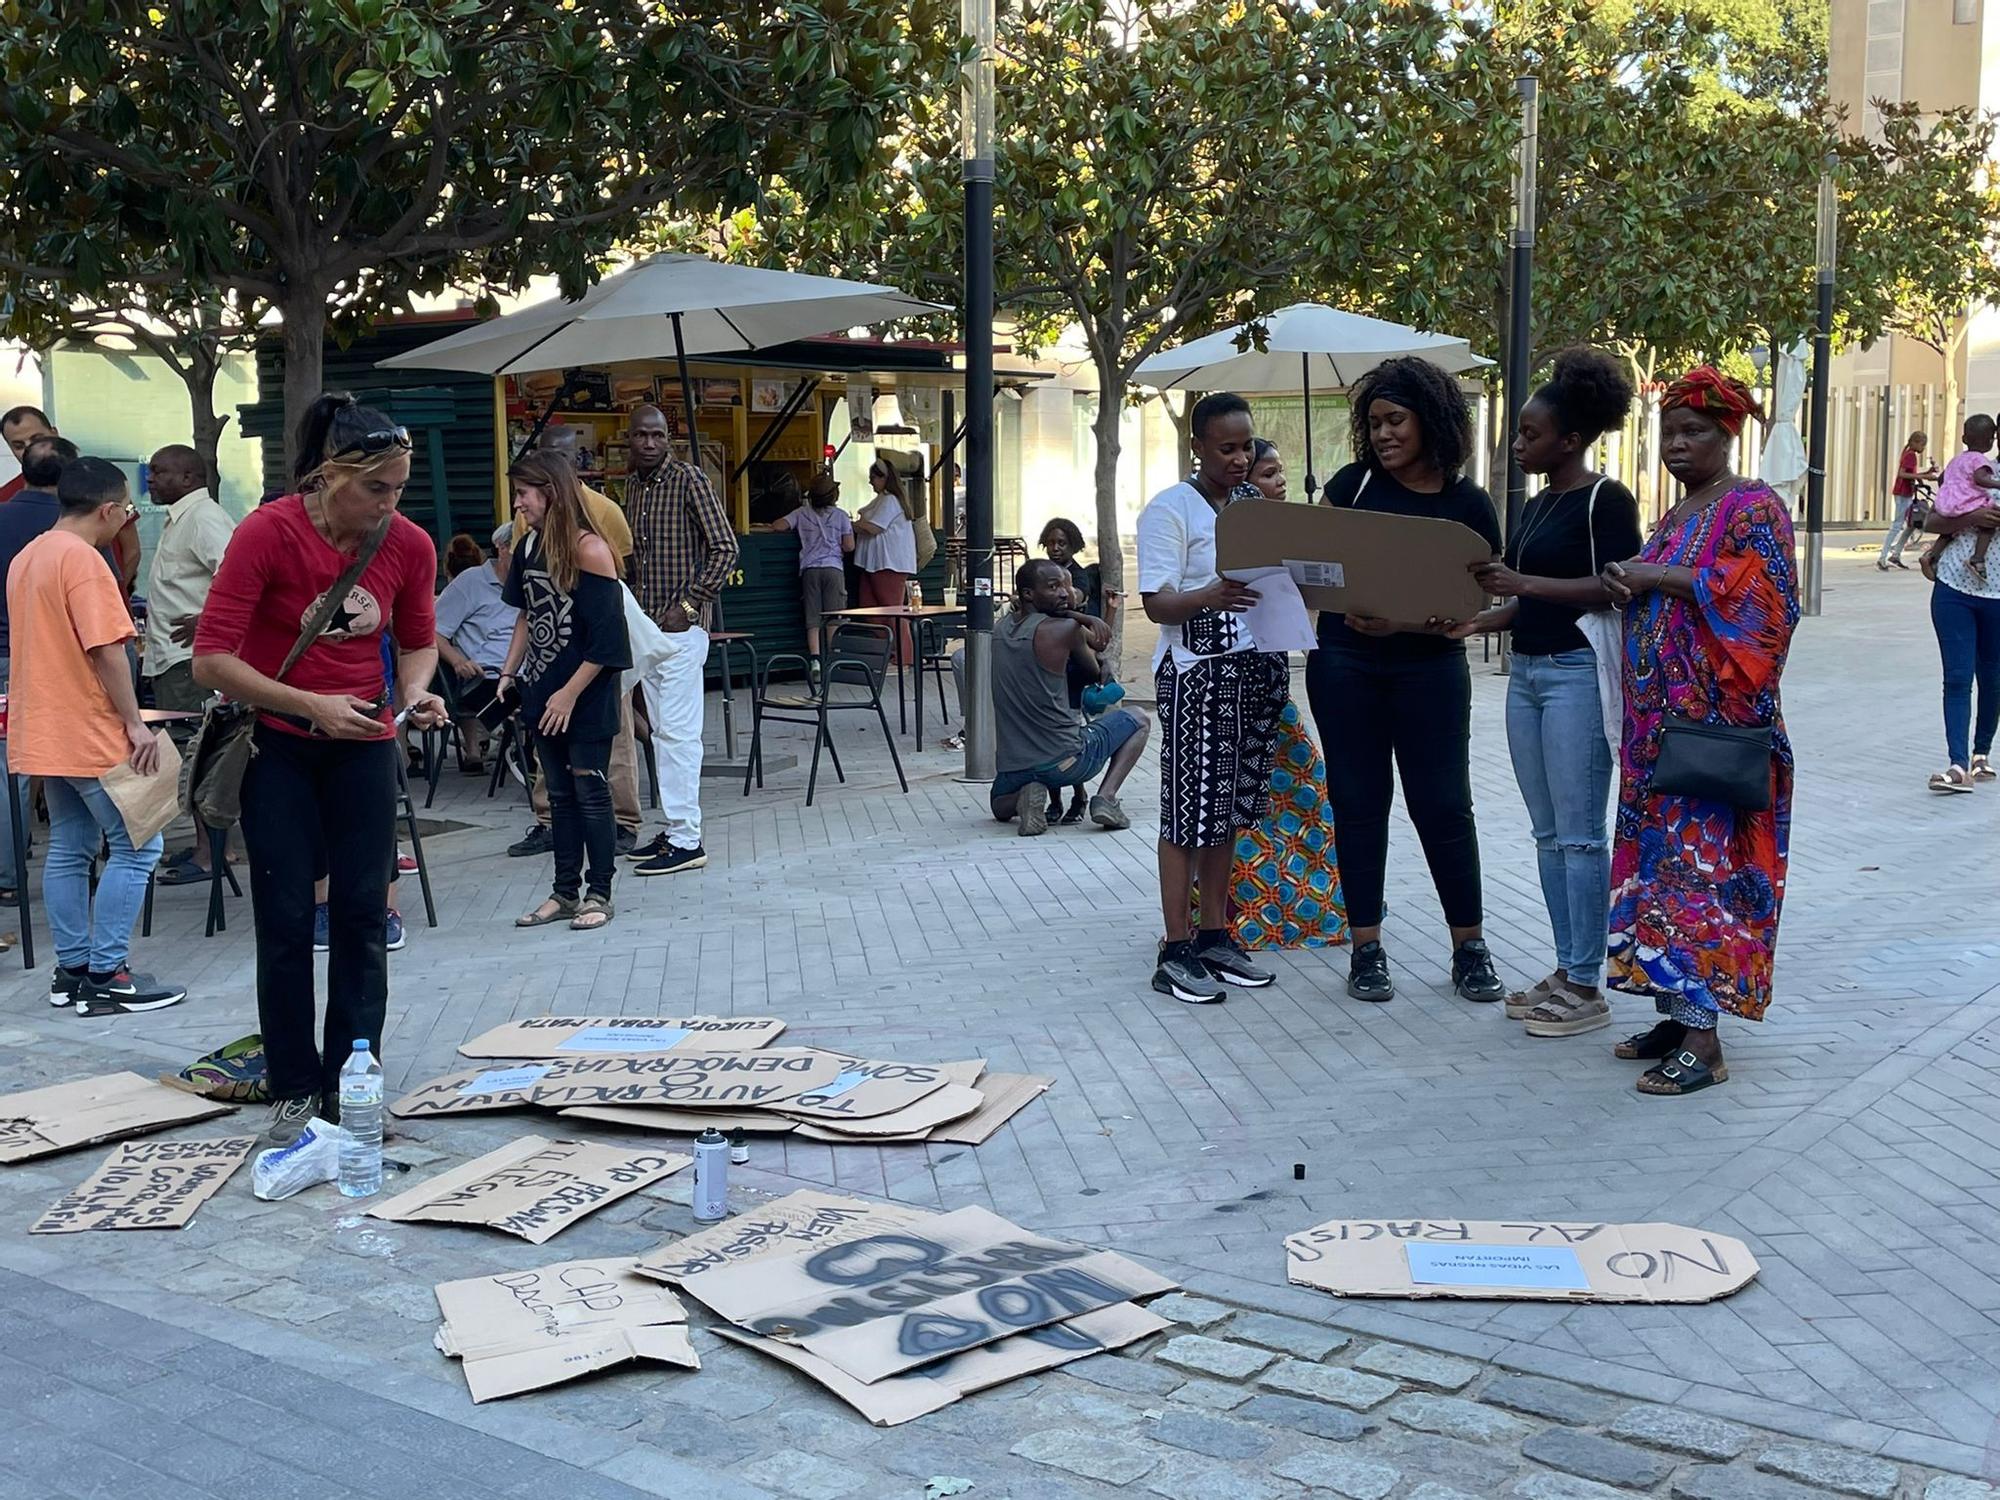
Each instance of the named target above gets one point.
<point>908,615</point>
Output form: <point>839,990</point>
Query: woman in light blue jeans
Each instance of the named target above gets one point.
<point>1556,724</point>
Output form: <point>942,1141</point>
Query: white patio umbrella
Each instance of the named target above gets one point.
<point>1306,345</point>
<point>1784,462</point>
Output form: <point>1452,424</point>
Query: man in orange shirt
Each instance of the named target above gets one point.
<point>73,717</point>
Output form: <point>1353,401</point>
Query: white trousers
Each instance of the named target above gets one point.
<point>674,702</point>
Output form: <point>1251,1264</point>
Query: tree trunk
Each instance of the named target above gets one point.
<point>1107,432</point>
<point>199,378</point>
<point>304,314</point>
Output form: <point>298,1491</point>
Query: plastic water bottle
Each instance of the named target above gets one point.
<point>361,1124</point>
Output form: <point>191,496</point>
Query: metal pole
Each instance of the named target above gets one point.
<point>1521,335</point>
<point>1306,385</point>
<point>690,398</point>
<point>976,149</point>
<point>1829,235</point>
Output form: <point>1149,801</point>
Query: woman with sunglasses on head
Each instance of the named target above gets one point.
<point>321,788</point>
<point>886,552</point>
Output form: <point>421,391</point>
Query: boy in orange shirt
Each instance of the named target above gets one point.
<point>72,717</point>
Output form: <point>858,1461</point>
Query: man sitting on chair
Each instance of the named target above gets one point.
<point>1040,745</point>
<point>474,627</point>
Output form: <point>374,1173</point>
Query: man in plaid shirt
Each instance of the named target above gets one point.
<point>683,549</point>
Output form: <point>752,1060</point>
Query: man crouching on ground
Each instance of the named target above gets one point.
<point>1040,745</point>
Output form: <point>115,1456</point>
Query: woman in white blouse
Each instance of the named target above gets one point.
<point>886,547</point>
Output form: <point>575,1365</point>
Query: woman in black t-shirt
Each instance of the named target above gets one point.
<point>1387,698</point>
<point>568,652</point>
<point>1558,729</point>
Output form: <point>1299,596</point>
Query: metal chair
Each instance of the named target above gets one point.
<point>407,808</point>
<point>1009,554</point>
<point>934,638</point>
<point>857,658</point>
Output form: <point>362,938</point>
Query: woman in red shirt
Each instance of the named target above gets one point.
<point>1900,496</point>
<point>320,794</point>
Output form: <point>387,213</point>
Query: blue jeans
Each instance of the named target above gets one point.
<point>13,867</point>
<point>1968,634</point>
<point>94,933</point>
<point>1563,762</point>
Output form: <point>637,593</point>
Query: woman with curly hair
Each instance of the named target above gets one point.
<point>1710,604</point>
<point>1389,698</point>
<point>1559,702</point>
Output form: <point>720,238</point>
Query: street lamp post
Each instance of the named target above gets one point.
<point>1521,332</point>
<point>976,150</point>
<point>1829,237</point>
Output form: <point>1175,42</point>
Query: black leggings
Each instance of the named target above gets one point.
<point>577,773</point>
<point>1420,712</point>
<point>312,804</point>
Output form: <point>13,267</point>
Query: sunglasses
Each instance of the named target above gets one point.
<point>374,444</point>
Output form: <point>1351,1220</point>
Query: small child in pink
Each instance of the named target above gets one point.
<point>1967,484</point>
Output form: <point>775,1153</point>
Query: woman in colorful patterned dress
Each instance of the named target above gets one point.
<point>1286,882</point>
<point>1710,604</point>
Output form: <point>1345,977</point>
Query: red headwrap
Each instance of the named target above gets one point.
<point>1707,390</point>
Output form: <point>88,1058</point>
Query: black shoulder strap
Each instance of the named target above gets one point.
<point>337,595</point>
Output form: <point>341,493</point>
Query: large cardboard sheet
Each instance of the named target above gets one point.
<point>1408,569</point>
<point>533,1186</point>
<point>1006,1095</point>
<point>147,1185</point>
<point>719,1080</point>
<point>902,1398</point>
<point>42,1122</point>
<point>805,1220</point>
<point>623,1036</point>
<point>523,1330</point>
<point>912,1123</point>
<point>1535,1260</point>
<point>868,1087</point>
<point>892,1302</point>
<point>673,1121</point>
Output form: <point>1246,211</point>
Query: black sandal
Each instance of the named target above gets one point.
<point>1683,1073</point>
<point>1662,1041</point>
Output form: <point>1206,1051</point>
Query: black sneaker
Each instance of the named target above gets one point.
<point>625,842</point>
<point>125,993</point>
<point>289,1118</point>
<point>653,848</point>
<point>673,861</point>
<point>538,841</point>
<point>1472,973</point>
<point>1229,963</point>
<point>1185,977</point>
<point>1368,974</point>
<point>65,983</point>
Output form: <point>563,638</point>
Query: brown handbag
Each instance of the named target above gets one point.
<point>220,753</point>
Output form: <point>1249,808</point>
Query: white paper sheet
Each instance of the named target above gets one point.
<point>1279,620</point>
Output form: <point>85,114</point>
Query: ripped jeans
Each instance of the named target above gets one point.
<point>580,816</point>
<point>1563,762</point>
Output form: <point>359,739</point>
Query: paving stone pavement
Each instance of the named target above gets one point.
<point>283,1349</point>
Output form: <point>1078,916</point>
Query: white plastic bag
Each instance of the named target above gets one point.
<point>311,1159</point>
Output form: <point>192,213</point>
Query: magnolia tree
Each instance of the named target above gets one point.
<point>183,165</point>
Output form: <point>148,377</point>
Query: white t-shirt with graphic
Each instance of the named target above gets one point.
<point>1176,542</point>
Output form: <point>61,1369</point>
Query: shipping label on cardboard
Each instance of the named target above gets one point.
<point>523,1330</point>
<point>805,1220</point>
<point>720,1080</point>
<point>64,1116</point>
<point>533,1187</point>
<point>147,1185</point>
<point>559,1036</point>
<point>1542,1260</point>
<point>895,1301</point>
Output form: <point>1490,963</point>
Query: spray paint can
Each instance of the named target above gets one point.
<point>711,1176</point>
<point>739,1149</point>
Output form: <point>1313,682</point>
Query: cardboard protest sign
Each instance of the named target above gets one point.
<point>891,1302</point>
<point>901,1398</point>
<point>805,1220</point>
<point>867,1087</point>
<point>682,1121</point>
<point>42,1122</point>
<point>1535,1260</point>
<point>523,1330</point>
<point>634,1036</point>
<point>1006,1095</point>
<point>913,1122</point>
<point>725,1080</point>
<point>1407,569</point>
<point>534,1187</point>
<point>147,1185</point>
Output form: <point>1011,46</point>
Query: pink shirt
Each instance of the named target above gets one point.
<point>1956,493</point>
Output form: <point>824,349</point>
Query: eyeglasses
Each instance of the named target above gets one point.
<point>375,444</point>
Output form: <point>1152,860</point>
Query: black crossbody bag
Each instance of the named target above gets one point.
<point>1728,763</point>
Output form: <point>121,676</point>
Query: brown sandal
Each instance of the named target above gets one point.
<point>1521,1004</point>
<point>592,906</point>
<point>555,909</point>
